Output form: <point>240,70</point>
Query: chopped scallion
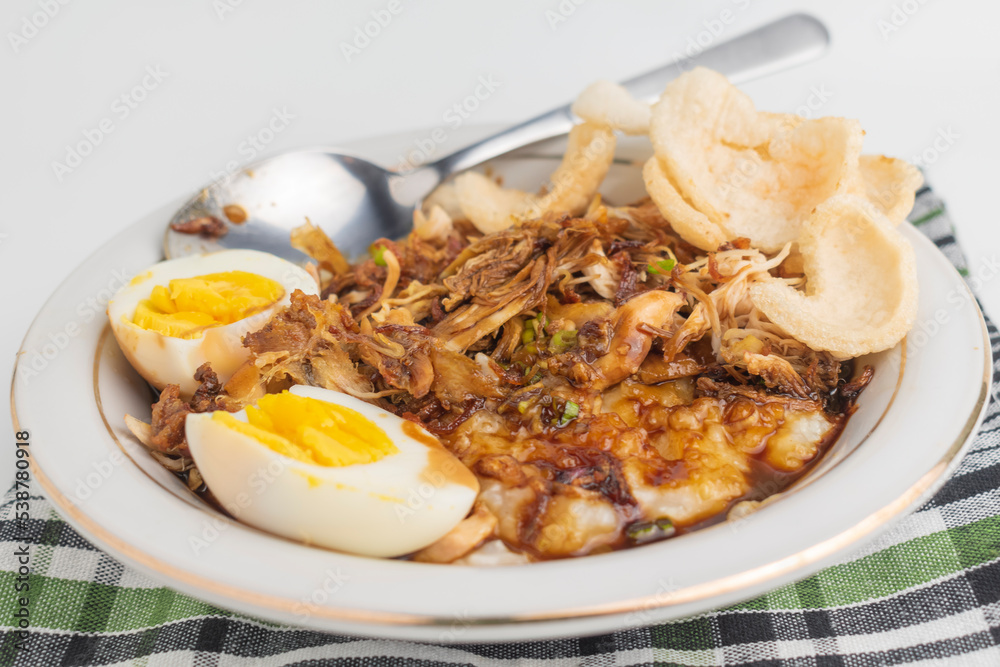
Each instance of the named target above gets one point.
<point>663,267</point>
<point>650,531</point>
<point>378,254</point>
<point>570,413</point>
<point>563,340</point>
<point>540,322</point>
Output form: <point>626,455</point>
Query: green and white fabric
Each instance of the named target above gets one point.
<point>928,593</point>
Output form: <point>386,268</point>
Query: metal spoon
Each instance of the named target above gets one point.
<point>356,201</point>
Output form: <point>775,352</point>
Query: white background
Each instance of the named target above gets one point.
<point>910,71</point>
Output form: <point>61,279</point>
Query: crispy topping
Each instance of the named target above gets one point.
<point>208,227</point>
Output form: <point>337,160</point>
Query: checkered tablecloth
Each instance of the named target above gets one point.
<point>928,592</point>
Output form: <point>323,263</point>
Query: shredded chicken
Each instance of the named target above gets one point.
<point>630,344</point>
<point>305,344</point>
<point>166,432</point>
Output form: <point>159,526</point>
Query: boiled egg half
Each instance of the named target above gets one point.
<point>180,313</point>
<point>328,469</point>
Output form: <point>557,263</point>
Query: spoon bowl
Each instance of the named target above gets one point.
<point>350,198</point>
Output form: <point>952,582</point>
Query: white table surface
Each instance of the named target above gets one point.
<point>912,71</point>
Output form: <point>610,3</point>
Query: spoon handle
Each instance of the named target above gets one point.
<point>787,42</point>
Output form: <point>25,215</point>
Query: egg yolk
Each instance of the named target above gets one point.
<point>188,306</point>
<point>312,431</point>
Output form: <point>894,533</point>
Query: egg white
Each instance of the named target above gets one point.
<point>164,360</point>
<point>391,507</point>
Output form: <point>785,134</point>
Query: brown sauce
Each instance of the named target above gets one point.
<point>442,467</point>
<point>766,481</point>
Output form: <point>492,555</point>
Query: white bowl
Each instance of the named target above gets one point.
<point>909,432</point>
